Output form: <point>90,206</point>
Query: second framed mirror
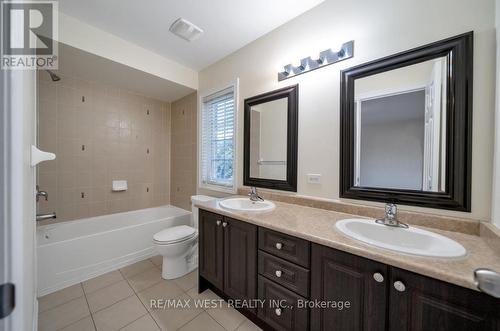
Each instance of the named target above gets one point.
<point>406,127</point>
<point>270,140</point>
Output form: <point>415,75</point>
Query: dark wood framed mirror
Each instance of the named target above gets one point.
<point>270,140</point>
<point>406,127</point>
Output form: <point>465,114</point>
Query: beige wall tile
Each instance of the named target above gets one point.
<point>116,128</point>
<point>183,162</point>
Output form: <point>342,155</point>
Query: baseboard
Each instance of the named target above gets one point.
<point>91,271</point>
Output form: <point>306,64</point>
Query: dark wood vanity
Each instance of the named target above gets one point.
<point>239,260</point>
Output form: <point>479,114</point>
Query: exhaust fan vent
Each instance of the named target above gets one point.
<point>185,29</point>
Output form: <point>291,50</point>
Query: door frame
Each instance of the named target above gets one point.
<point>358,102</point>
<point>17,205</point>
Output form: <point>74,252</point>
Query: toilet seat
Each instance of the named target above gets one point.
<point>174,235</point>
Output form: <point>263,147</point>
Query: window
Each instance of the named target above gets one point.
<point>218,140</point>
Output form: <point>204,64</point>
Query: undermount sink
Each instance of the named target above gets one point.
<point>411,241</point>
<point>246,205</point>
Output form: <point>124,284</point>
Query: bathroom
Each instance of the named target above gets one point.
<point>284,165</point>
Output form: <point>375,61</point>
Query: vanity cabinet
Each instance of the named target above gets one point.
<point>338,276</point>
<point>228,255</point>
<point>239,260</point>
<point>211,243</point>
<point>420,303</point>
<point>387,298</point>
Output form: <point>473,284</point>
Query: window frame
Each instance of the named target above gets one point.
<point>214,187</point>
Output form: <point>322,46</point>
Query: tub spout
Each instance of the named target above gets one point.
<point>42,217</point>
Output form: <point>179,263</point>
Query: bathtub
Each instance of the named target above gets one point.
<point>72,252</point>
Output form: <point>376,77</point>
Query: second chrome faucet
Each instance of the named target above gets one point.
<point>254,196</point>
<point>391,217</point>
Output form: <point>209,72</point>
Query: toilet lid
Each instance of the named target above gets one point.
<point>174,234</point>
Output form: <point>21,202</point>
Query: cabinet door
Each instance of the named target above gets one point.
<point>240,259</point>
<point>420,303</point>
<point>211,246</point>
<point>338,276</point>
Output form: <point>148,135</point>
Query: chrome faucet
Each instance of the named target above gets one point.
<point>42,217</point>
<point>41,194</point>
<point>253,194</point>
<point>391,217</point>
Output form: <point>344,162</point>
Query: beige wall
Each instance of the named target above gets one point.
<point>184,157</point>
<point>112,134</point>
<point>379,28</point>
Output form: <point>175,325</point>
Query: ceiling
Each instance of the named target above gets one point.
<point>228,24</point>
<point>77,63</point>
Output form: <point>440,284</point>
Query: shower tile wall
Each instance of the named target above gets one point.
<point>184,153</point>
<point>99,134</point>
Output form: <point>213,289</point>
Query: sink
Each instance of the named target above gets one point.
<point>411,241</point>
<point>246,205</point>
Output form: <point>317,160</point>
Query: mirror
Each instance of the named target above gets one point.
<point>406,127</point>
<point>268,139</point>
<point>271,140</point>
<point>400,128</point>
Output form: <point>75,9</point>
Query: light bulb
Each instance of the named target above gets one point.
<point>315,56</point>
<point>281,69</point>
<point>336,47</point>
<point>297,63</point>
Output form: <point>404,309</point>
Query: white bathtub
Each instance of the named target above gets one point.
<point>71,252</point>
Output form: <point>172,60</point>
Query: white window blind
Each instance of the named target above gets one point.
<point>218,140</point>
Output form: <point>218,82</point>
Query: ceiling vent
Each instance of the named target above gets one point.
<point>185,29</point>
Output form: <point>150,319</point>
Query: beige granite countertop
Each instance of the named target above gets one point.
<point>318,226</point>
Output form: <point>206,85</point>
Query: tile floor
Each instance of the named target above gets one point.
<point>120,300</point>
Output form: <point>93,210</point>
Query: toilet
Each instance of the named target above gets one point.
<point>179,244</point>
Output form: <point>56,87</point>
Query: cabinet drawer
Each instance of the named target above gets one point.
<point>285,273</point>
<point>280,309</point>
<point>287,247</point>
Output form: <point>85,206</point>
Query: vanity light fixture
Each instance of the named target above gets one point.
<point>324,58</point>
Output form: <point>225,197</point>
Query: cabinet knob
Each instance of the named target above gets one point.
<point>277,311</point>
<point>278,273</point>
<point>224,224</point>
<point>399,286</point>
<point>218,222</point>
<point>279,245</point>
<point>378,277</point>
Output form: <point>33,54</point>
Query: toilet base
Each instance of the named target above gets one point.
<point>177,267</point>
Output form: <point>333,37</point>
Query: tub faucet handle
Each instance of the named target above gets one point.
<point>41,194</point>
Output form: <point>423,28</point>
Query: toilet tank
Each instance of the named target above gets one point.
<point>194,200</point>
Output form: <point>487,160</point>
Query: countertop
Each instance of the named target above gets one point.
<point>318,226</point>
